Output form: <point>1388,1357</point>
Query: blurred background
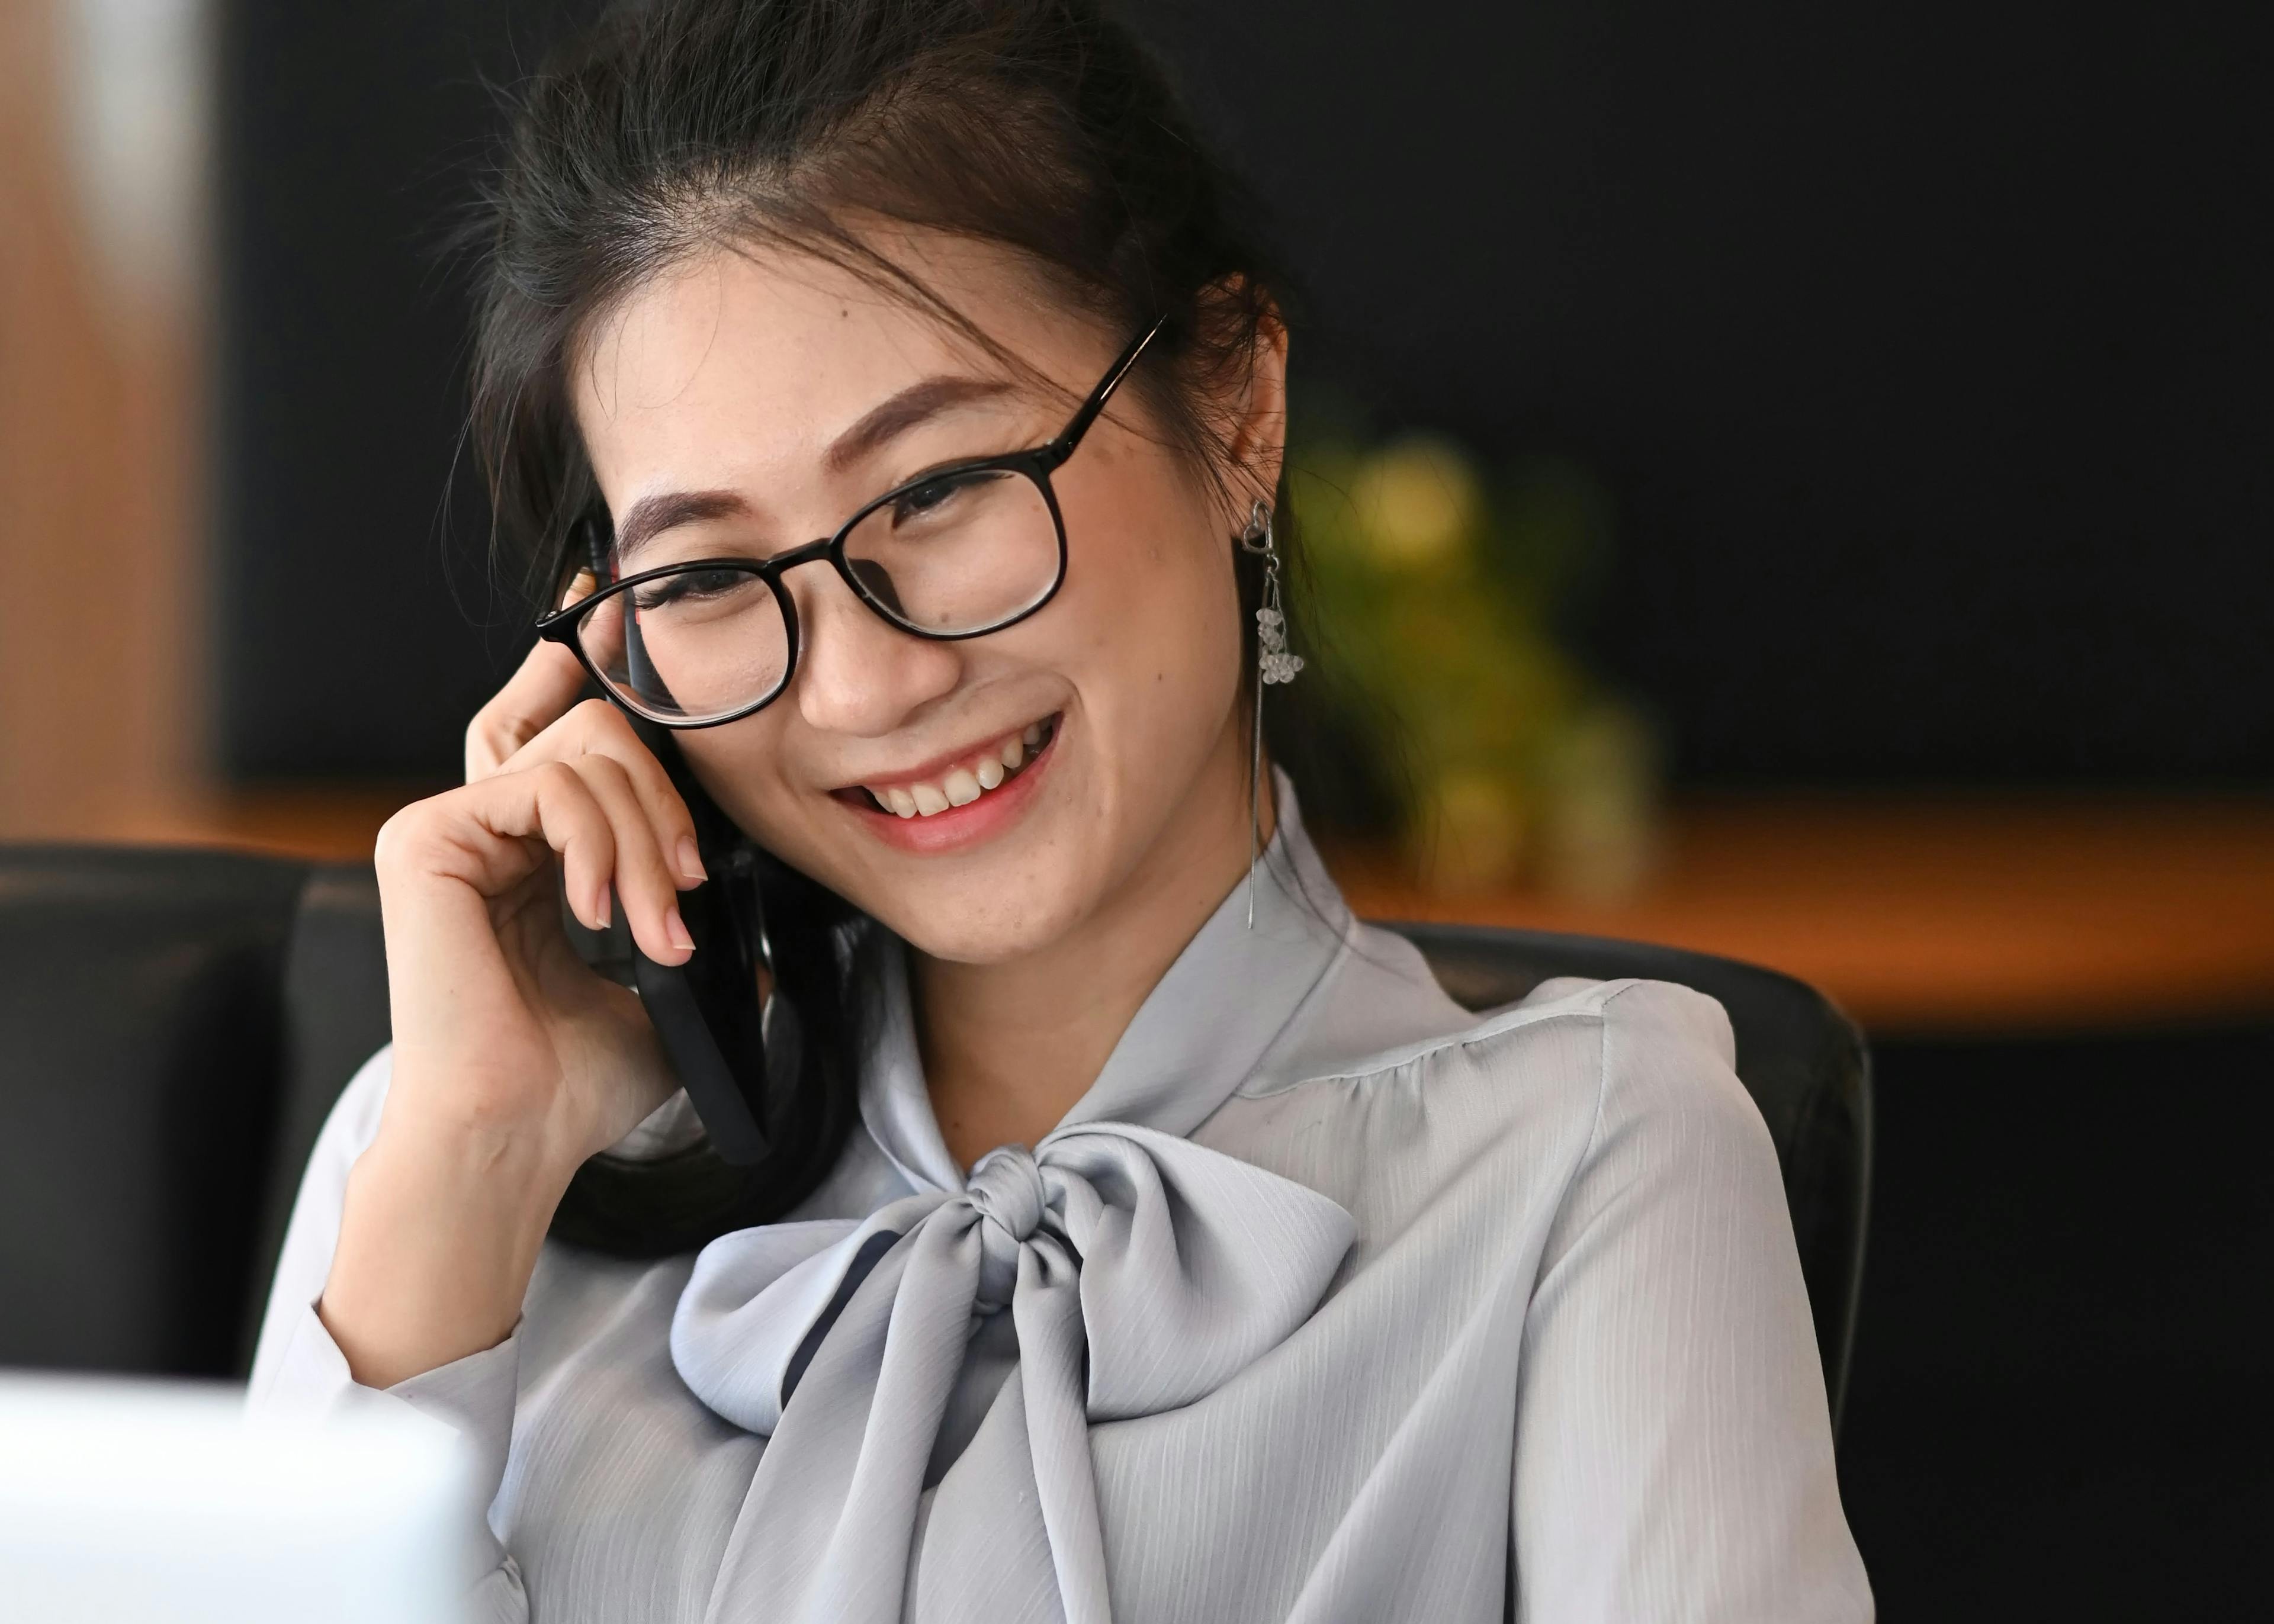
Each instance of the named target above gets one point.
<point>1843,429</point>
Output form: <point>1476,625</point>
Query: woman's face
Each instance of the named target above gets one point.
<point>1100,736</point>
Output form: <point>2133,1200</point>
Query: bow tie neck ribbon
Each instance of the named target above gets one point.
<point>1141,1271</point>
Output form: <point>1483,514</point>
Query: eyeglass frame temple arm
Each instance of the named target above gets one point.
<point>1058,450</point>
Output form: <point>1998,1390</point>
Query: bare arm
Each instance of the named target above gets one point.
<point>513,1061</point>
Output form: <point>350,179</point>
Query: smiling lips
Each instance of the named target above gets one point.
<point>988,769</point>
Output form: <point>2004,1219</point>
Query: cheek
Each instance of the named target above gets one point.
<point>1159,614</point>
<point>736,765</point>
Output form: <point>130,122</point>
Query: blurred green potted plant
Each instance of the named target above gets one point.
<point>1435,594</point>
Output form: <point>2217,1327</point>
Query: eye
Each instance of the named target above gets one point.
<point>688,586</point>
<point>925,499</point>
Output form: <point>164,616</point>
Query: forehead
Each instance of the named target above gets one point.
<point>742,366</point>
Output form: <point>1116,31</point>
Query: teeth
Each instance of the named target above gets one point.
<point>963,785</point>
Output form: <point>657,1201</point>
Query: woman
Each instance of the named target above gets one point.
<point>1142,1236</point>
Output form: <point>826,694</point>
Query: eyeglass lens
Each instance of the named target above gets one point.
<point>963,553</point>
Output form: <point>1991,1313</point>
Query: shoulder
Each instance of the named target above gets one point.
<point>1575,1070</point>
<point>1654,1029</point>
<point>1637,1083</point>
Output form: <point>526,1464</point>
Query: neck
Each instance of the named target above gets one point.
<point>1009,1047</point>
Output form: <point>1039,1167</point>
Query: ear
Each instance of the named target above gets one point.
<point>1258,442</point>
<point>1244,338</point>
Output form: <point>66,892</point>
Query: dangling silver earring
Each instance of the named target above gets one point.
<point>1274,663</point>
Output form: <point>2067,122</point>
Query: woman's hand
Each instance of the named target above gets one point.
<point>513,1061</point>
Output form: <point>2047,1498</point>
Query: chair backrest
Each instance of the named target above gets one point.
<point>174,1025</point>
<point>140,1003</point>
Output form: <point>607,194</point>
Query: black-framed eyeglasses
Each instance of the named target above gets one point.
<point>956,553</point>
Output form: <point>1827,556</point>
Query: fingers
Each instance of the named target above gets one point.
<point>534,698</point>
<point>553,803</point>
<point>598,729</point>
<point>643,875</point>
<point>588,810</point>
<point>489,837</point>
<point>615,817</point>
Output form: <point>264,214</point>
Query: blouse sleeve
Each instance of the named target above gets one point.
<point>298,1368</point>
<point>1673,1446</point>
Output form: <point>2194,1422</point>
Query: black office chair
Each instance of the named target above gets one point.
<point>174,1025</point>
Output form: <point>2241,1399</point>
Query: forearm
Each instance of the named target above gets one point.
<point>440,1232</point>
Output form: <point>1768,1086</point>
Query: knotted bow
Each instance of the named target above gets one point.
<point>1141,1271</point>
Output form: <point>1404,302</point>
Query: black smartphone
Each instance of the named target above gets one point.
<point>729,1030</point>
<point>726,1043</point>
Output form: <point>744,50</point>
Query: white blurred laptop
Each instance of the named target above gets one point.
<point>141,1502</point>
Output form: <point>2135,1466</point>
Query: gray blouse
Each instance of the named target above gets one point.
<point>1329,1301</point>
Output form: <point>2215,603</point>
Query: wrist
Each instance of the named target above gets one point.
<point>450,1130</point>
<point>440,1233</point>
<point>474,1187</point>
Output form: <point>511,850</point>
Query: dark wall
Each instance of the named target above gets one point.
<point>356,625</point>
<point>2060,1408</point>
<point>1924,348</point>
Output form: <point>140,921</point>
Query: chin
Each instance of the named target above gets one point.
<point>984,917</point>
<point>1016,907</point>
<point>1020,897</point>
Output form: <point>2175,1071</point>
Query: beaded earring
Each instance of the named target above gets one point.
<point>1274,663</point>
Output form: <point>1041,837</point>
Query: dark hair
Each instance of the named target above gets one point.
<point>675,125</point>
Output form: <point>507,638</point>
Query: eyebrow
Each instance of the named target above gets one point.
<point>652,515</point>
<point>903,411</point>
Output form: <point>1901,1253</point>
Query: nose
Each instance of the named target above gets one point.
<point>857,673</point>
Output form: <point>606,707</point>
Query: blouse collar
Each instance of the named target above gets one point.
<point>1229,999</point>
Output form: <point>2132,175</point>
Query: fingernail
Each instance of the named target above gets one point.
<point>601,910</point>
<point>675,928</point>
<point>690,859</point>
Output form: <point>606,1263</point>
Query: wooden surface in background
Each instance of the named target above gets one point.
<point>1947,914</point>
<point>324,822</point>
<point>98,639</point>
<point>1918,915</point>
